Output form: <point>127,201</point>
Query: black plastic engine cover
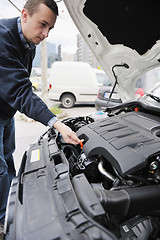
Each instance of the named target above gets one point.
<point>126,141</point>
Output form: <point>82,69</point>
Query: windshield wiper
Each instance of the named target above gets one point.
<point>153,97</point>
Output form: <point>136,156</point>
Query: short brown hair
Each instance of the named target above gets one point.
<point>31,5</point>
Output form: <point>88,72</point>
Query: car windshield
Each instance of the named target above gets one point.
<point>154,97</point>
<point>106,82</point>
<point>102,78</point>
<point>148,80</point>
<point>154,93</point>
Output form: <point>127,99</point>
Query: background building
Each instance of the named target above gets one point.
<point>68,56</point>
<point>53,54</point>
<point>84,53</point>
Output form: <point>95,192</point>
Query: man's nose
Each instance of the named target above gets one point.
<point>46,32</point>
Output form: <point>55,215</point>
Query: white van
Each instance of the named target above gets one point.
<point>71,82</point>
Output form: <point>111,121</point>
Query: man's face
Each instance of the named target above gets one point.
<point>36,27</point>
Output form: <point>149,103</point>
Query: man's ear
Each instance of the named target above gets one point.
<point>24,15</point>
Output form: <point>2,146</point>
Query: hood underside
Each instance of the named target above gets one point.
<point>131,23</point>
<point>123,35</point>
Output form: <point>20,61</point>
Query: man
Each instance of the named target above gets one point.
<point>17,50</point>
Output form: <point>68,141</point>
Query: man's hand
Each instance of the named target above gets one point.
<point>68,135</point>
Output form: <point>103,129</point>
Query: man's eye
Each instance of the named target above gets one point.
<point>43,24</point>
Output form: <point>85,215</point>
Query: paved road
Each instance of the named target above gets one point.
<point>28,132</point>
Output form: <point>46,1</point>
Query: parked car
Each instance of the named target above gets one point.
<point>36,83</point>
<point>104,98</point>
<point>144,84</point>
<point>107,188</point>
<point>74,82</point>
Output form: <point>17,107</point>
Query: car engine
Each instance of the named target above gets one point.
<point>120,164</point>
<point>109,188</point>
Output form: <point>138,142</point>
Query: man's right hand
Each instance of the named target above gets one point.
<point>68,135</point>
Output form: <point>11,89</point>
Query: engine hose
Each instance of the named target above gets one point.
<point>132,201</point>
<point>105,173</point>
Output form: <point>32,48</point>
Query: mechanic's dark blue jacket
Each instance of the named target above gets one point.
<point>15,68</point>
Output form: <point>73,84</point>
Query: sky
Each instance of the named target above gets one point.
<point>64,32</point>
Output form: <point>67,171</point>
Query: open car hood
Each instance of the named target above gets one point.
<point>123,35</point>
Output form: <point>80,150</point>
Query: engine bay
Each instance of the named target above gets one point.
<point>106,188</point>
<point>118,167</point>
